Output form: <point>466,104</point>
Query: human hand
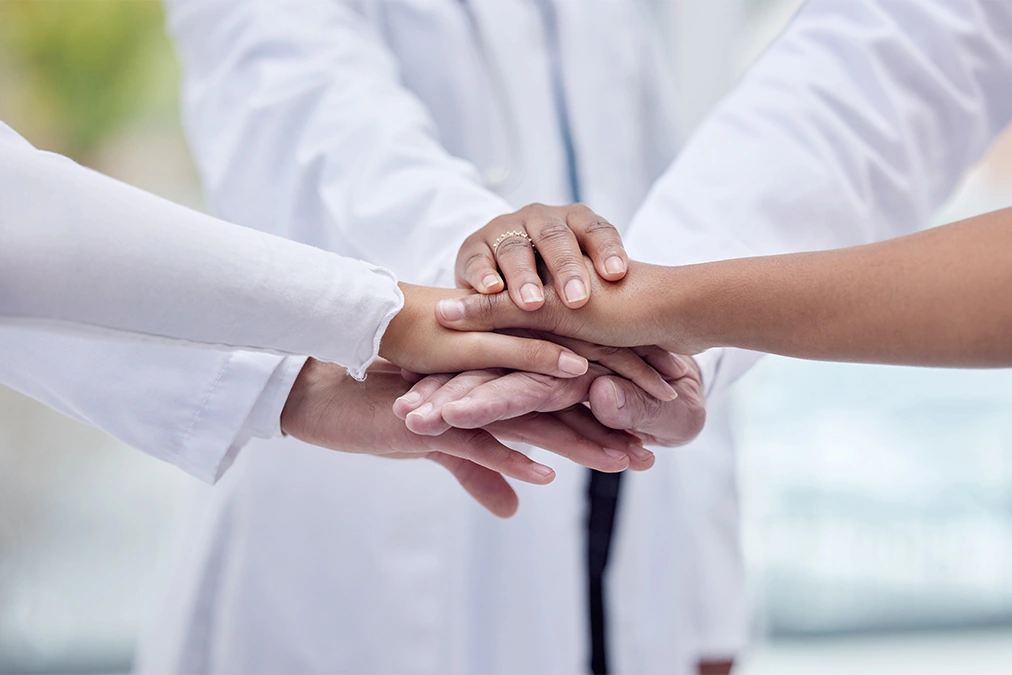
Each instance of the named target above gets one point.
<point>415,341</point>
<point>507,397</point>
<point>562,234</point>
<point>476,399</point>
<point>642,308</point>
<point>328,408</point>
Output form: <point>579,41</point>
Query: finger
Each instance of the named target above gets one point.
<point>600,240</point>
<point>419,394</point>
<point>624,362</point>
<point>489,488</point>
<point>479,350</point>
<point>515,256</point>
<point>553,434</point>
<point>476,267</point>
<point>489,312</point>
<point>667,364</point>
<point>582,420</point>
<point>426,419</point>
<point>621,405</point>
<point>560,250</point>
<point>512,396</point>
<point>482,448</point>
<point>411,376</point>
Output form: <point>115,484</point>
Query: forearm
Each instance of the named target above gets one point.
<point>936,298</point>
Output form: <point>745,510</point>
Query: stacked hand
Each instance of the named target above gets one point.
<point>554,387</point>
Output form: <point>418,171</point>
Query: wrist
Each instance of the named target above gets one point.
<point>305,397</point>
<point>399,325</point>
<point>656,305</point>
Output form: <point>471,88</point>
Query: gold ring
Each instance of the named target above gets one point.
<point>512,233</point>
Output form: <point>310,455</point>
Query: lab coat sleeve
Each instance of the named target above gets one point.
<point>192,408</point>
<point>82,253</point>
<point>854,126</point>
<point>301,127</point>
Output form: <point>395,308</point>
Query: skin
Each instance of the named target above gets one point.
<point>328,408</point>
<point>935,298</point>
<point>562,235</point>
<point>415,341</point>
<point>478,398</point>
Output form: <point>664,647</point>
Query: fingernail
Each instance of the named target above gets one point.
<point>572,364</point>
<point>531,293</point>
<point>679,361</point>
<point>614,265</point>
<point>619,395</point>
<point>423,411</point>
<point>615,454</point>
<point>451,310</point>
<point>491,281</point>
<point>411,398</point>
<point>641,453</point>
<point>670,391</point>
<point>543,471</point>
<point>576,291</point>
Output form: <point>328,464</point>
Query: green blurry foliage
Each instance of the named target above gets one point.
<point>79,69</point>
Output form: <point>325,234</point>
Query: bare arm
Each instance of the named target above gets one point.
<point>942,297</point>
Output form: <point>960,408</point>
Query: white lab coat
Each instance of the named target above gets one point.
<point>82,255</point>
<point>367,128</point>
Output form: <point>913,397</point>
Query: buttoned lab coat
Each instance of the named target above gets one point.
<point>372,127</point>
<point>379,129</point>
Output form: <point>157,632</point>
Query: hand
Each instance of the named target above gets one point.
<point>640,309</point>
<point>502,397</point>
<point>472,400</point>
<point>415,341</point>
<point>328,408</point>
<point>561,235</point>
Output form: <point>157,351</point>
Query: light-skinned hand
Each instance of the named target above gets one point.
<point>414,340</point>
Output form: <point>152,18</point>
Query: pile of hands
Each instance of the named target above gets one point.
<point>541,346</point>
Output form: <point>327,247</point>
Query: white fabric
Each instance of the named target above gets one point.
<point>854,126</point>
<point>367,128</point>
<point>82,253</point>
<point>83,256</point>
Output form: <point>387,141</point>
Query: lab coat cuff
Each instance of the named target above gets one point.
<point>219,429</point>
<point>265,418</point>
<point>390,301</point>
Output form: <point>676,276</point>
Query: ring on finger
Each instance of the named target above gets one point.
<point>507,235</point>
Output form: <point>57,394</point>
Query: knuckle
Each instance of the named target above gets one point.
<point>537,352</point>
<point>608,352</point>
<point>601,228</point>
<point>475,263</point>
<point>512,247</point>
<point>499,223</point>
<point>486,308</point>
<point>553,230</point>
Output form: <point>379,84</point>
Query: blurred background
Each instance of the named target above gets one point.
<point>877,501</point>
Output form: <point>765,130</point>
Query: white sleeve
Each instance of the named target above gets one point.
<point>192,408</point>
<point>82,253</point>
<point>854,126</point>
<point>301,127</point>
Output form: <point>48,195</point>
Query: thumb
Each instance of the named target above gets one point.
<point>620,404</point>
<point>486,312</point>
